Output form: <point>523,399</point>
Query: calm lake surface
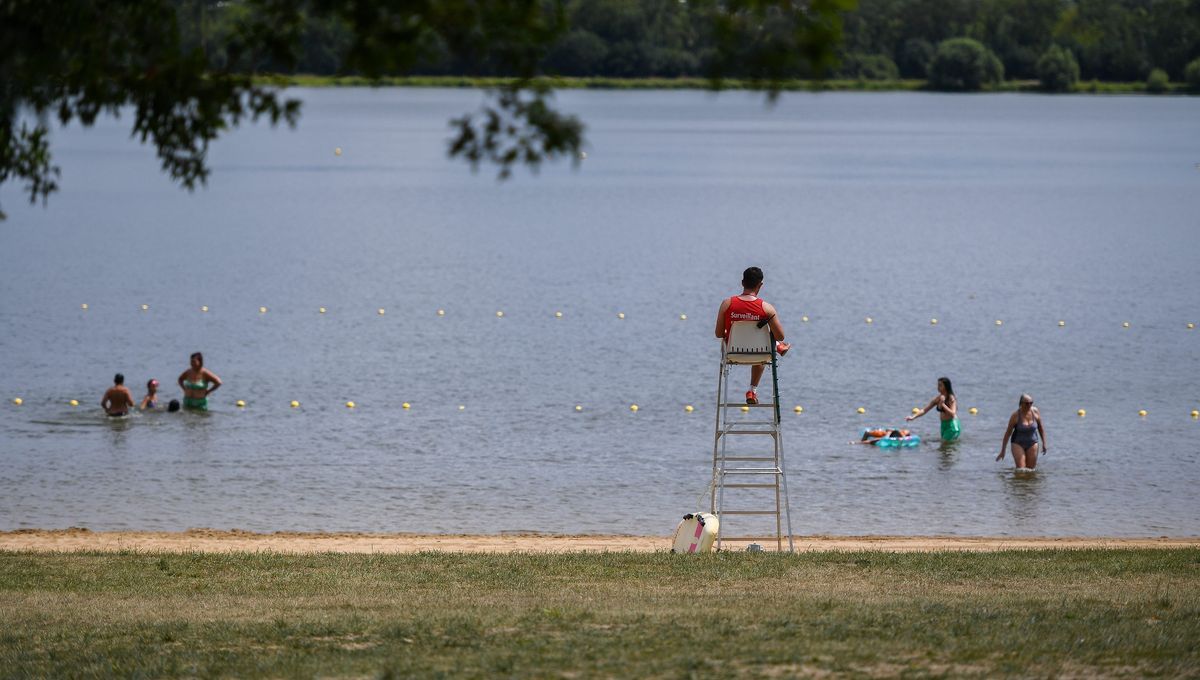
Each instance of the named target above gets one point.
<point>900,207</point>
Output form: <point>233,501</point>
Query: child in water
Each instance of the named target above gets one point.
<point>150,401</point>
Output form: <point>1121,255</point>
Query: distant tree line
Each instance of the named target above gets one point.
<point>1055,41</point>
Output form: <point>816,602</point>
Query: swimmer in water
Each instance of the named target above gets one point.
<point>749,307</point>
<point>947,405</point>
<point>1024,427</point>
<point>875,436</point>
<point>150,401</point>
<point>198,382</point>
<point>118,399</point>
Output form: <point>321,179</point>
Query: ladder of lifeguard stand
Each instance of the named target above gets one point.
<point>749,474</point>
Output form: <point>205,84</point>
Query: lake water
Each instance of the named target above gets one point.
<point>900,207</point>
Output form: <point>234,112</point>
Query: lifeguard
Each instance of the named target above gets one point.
<point>749,307</point>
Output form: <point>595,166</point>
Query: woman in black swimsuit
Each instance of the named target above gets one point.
<point>1024,428</point>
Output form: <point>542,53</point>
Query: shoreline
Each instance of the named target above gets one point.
<point>697,83</point>
<point>231,541</point>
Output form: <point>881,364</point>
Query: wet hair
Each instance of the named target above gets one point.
<point>199,356</point>
<point>895,434</point>
<point>173,406</point>
<point>752,277</point>
<point>151,384</point>
<point>949,388</point>
<point>1025,398</point>
<point>119,379</point>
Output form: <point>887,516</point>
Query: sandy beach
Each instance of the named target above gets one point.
<point>213,540</point>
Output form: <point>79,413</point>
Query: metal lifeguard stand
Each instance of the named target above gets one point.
<point>749,474</point>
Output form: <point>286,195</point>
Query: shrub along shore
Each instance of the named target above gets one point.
<point>1081,613</point>
<point>601,83</point>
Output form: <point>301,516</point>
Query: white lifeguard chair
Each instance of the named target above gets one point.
<point>749,474</point>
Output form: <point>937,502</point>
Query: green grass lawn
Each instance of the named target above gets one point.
<point>1073,612</point>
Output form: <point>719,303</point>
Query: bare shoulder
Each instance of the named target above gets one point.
<point>768,307</point>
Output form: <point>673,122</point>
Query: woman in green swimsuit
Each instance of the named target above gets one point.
<point>198,382</point>
<point>947,405</point>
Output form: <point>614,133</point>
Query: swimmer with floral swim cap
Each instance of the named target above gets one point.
<point>749,307</point>
<point>150,401</point>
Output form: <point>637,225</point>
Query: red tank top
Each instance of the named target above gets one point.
<point>742,310</point>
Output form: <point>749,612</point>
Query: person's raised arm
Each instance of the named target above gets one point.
<point>145,403</point>
<point>721,318</point>
<point>1041,431</point>
<point>932,404</point>
<point>1012,422</point>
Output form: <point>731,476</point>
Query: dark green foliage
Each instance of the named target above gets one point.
<point>1191,74</point>
<point>915,58</point>
<point>1057,69</point>
<point>869,67</point>
<point>963,64</point>
<point>1158,82</point>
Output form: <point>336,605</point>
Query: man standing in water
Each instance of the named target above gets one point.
<point>118,399</point>
<point>749,307</point>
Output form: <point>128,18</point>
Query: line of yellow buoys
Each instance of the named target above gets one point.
<point>633,408</point>
<point>558,314</point>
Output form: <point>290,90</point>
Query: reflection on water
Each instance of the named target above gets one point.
<point>1023,499</point>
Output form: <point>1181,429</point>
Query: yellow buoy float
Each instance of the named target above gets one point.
<point>799,409</point>
<point>999,322</point>
<point>337,151</point>
<point>973,411</point>
<point>1062,323</point>
<point>1081,413</point>
<point>295,404</point>
<point>558,315</point>
<point>745,409</point>
<point>578,408</point>
<point>933,322</point>
<point>145,307</point>
<point>1191,326</point>
<point>1195,413</point>
<point>74,402</point>
<point>688,408</point>
<point>861,410</point>
<point>406,406</point>
<point>382,311</point>
<point>916,410</point>
<point>350,404</point>
<point>1125,325</point>
<point>262,310</point>
<point>1142,413</point>
<point>321,310</point>
<point>441,312</point>
<point>240,404</point>
<point>870,320</point>
<point>204,308</point>
<point>499,314</point>
<point>462,407</point>
<point>683,317</point>
<point>83,306</point>
<point>633,407</point>
<point>620,315</point>
<point>18,401</point>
